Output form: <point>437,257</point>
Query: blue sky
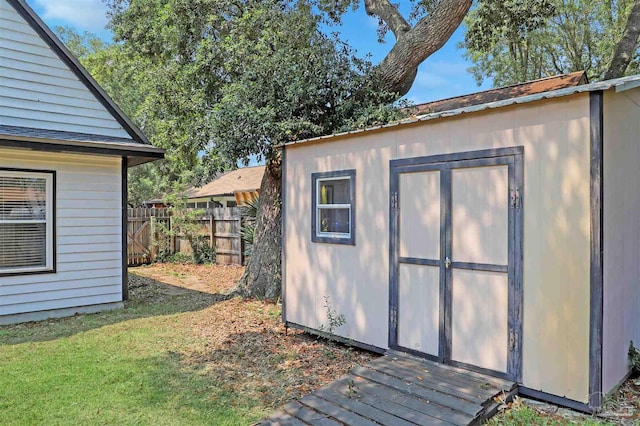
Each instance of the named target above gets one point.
<point>442,75</point>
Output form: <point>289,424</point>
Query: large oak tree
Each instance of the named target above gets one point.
<point>254,74</point>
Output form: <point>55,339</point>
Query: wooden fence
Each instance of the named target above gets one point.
<point>220,226</point>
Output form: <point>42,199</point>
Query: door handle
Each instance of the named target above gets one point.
<point>447,262</point>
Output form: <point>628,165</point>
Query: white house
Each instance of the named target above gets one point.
<point>64,152</point>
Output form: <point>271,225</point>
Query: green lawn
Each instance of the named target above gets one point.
<point>124,367</point>
<point>528,416</point>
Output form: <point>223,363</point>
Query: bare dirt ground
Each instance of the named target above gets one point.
<point>247,348</point>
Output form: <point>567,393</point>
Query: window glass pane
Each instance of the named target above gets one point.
<point>22,198</point>
<point>22,245</point>
<point>334,220</point>
<point>336,191</point>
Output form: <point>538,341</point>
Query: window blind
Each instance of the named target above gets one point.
<point>23,221</point>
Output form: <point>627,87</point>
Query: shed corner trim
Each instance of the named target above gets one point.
<point>596,278</point>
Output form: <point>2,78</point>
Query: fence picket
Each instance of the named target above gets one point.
<point>221,225</point>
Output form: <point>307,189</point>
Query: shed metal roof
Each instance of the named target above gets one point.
<point>501,93</point>
<point>619,84</point>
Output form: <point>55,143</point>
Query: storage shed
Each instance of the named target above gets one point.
<point>502,238</point>
<point>64,152</point>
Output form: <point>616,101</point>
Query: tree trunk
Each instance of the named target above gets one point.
<point>626,46</point>
<point>263,276</point>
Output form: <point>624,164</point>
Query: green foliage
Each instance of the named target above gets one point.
<point>249,214</point>
<point>334,319</point>
<point>244,77</point>
<point>513,41</point>
<point>158,98</point>
<point>185,223</point>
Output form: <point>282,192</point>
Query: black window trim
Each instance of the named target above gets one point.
<point>315,177</point>
<point>54,237</point>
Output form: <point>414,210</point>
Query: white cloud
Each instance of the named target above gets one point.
<point>89,15</point>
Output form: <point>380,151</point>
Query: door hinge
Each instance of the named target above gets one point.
<point>513,340</point>
<point>515,197</point>
<point>394,201</point>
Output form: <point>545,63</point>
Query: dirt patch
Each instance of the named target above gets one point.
<point>248,351</point>
<point>211,279</point>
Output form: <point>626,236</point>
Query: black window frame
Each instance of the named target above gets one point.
<point>51,244</point>
<point>334,239</point>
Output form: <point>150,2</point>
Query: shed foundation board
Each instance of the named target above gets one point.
<point>556,229</point>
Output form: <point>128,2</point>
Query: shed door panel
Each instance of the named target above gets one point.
<point>480,214</point>
<point>418,316</point>
<point>479,318</point>
<point>420,215</point>
<point>419,271</point>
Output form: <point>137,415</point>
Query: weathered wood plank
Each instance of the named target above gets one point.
<point>412,402</point>
<point>361,408</point>
<point>501,384</point>
<point>416,364</point>
<point>349,388</point>
<point>404,390</point>
<point>431,395</point>
<point>335,411</point>
<point>470,391</point>
<point>281,418</point>
<point>308,415</point>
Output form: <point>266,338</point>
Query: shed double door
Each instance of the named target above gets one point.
<point>456,254</point>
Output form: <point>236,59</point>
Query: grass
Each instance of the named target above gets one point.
<point>525,415</point>
<point>124,367</point>
<point>178,354</point>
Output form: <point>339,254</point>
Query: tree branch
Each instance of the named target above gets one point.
<point>627,45</point>
<point>389,15</point>
<point>398,69</point>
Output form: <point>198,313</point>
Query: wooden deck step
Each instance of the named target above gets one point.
<point>398,390</point>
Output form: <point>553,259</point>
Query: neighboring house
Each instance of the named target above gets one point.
<point>64,152</point>
<point>501,237</point>
<point>234,188</point>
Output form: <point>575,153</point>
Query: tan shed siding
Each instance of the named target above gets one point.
<point>555,136</point>
<point>88,238</point>
<point>37,89</point>
<point>621,232</point>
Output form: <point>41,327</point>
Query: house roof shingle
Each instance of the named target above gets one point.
<point>244,179</point>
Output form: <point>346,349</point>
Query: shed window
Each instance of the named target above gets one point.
<point>333,201</point>
<point>26,221</point>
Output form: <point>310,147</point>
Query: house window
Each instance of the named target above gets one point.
<point>26,221</point>
<point>333,200</point>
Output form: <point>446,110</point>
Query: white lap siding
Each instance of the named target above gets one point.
<point>37,89</point>
<point>88,237</point>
